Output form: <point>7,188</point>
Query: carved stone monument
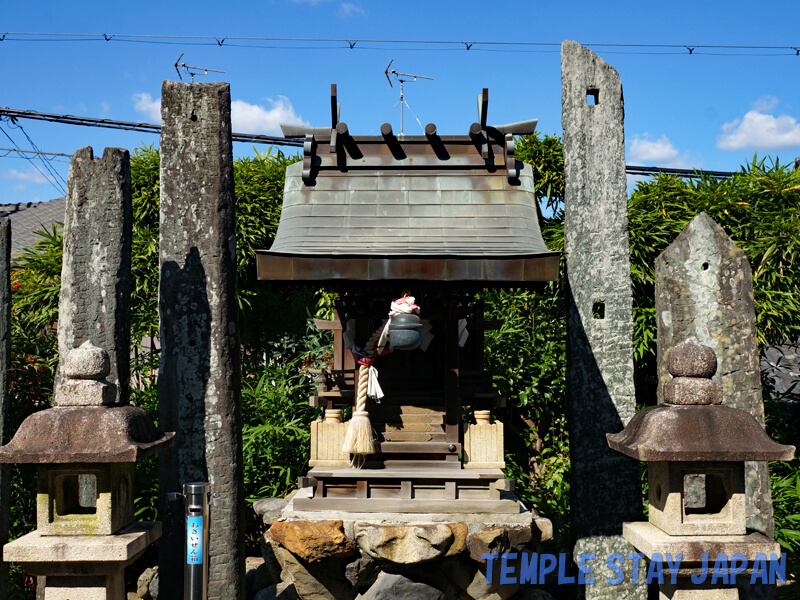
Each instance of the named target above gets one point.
<point>605,485</point>
<point>96,270</point>
<point>704,288</point>
<point>5,357</point>
<point>198,383</point>
<point>85,446</point>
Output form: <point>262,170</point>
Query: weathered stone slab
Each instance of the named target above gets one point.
<point>474,522</point>
<point>498,539</point>
<point>362,572</point>
<point>94,303</point>
<point>313,541</point>
<point>198,381</point>
<point>704,289</point>
<point>606,489</point>
<point>390,586</point>
<point>410,544</point>
<point>313,581</point>
<point>256,575</point>
<point>269,509</point>
<point>5,357</point>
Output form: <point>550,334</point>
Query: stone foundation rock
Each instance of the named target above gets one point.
<point>382,556</point>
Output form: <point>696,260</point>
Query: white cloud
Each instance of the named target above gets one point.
<point>766,103</point>
<point>760,130</point>
<point>105,107</point>
<point>345,8</point>
<point>348,8</point>
<point>660,152</point>
<point>29,176</point>
<point>253,118</point>
<point>245,117</point>
<point>144,103</point>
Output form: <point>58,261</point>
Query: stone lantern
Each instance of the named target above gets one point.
<point>696,449</point>
<point>85,448</point>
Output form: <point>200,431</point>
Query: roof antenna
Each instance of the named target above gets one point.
<point>192,71</point>
<point>402,78</point>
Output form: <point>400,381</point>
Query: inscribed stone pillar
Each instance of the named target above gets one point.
<point>5,358</point>
<point>704,288</point>
<point>96,270</point>
<point>199,378</point>
<point>605,488</point>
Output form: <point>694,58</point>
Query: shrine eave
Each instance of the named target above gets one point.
<point>496,269</point>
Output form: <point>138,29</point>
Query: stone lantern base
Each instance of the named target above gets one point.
<point>649,539</point>
<point>80,566</point>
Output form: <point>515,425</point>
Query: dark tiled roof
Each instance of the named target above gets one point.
<point>30,217</point>
<point>456,213</point>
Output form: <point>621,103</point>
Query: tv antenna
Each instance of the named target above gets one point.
<point>402,78</point>
<point>192,71</point>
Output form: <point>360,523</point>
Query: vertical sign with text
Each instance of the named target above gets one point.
<point>194,540</point>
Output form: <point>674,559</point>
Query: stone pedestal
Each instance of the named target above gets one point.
<point>649,539</point>
<point>82,567</point>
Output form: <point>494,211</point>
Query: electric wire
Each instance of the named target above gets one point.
<point>279,141</point>
<point>45,161</point>
<point>10,150</point>
<point>357,44</point>
<point>52,182</point>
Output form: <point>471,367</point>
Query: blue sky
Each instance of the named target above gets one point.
<point>711,109</point>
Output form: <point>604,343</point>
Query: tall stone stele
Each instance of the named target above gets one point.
<point>600,387</point>
<point>95,299</point>
<point>85,448</point>
<point>5,357</point>
<point>198,381</point>
<point>704,289</point>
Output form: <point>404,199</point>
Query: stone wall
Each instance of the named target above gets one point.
<point>373,560</point>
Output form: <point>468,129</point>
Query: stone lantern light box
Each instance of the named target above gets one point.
<point>696,450</point>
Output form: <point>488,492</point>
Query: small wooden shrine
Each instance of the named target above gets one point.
<point>405,222</point>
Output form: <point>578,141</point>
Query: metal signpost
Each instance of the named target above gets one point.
<point>197,498</point>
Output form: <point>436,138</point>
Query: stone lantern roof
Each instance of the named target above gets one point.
<point>96,434</point>
<point>85,426</point>
<point>696,433</point>
<point>692,425</point>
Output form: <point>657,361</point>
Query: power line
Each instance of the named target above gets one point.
<point>52,182</point>
<point>131,126</point>
<point>33,152</point>
<point>278,141</point>
<point>358,44</point>
<point>638,170</point>
<point>45,161</point>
